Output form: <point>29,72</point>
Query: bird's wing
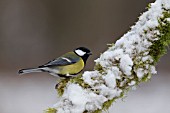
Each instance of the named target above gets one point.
<point>66,59</point>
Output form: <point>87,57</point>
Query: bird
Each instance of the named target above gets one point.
<point>65,66</point>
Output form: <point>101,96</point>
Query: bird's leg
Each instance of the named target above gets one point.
<point>61,84</point>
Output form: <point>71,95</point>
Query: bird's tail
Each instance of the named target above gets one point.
<point>29,70</point>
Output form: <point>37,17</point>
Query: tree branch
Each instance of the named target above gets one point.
<point>127,63</point>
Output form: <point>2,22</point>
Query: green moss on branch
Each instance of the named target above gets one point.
<point>159,47</point>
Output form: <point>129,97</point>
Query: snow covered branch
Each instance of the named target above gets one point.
<point>127,63</point>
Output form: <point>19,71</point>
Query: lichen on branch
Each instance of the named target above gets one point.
<point>127,63</point>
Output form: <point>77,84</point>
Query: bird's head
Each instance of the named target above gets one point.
<point>83,52</point>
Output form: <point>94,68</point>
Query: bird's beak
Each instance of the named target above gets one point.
<point>90,53</point>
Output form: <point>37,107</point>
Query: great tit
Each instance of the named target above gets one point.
<point>67,65</point>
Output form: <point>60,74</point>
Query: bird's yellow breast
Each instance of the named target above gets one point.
<point>72,68</point>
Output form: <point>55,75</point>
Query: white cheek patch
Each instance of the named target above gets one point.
<point>80,52</point>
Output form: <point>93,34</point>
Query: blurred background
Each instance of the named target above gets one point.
<point>32,32</point>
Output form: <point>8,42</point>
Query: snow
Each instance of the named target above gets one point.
<point>145,58</point>
<point>108,57</point>
<point>71,97</point>
<point>153,70</point>
<point>126,64</point>
<point>88,75</point>
<point>168,19</point>
<point>117,54</point>
<point>75,93</point>
<point>132,83</point>
<point>115,70</point>
<point>166,3</point>
<point>110,79</point>
<point>129,57</point>
<point>96,81</point>
<point>95,100</point>
<point>140,72</point>
<point>76,100</point>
